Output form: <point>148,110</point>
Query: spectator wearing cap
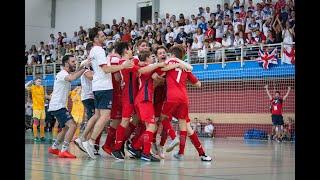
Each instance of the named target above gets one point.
<point>169,34</point>
<point>181,36</point>
<point>203,25</point>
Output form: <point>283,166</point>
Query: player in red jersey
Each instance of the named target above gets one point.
<point>116,109</point>
<point>276,111</point>
<point>144,106</point>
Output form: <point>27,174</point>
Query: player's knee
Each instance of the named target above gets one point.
<point>125,122</point>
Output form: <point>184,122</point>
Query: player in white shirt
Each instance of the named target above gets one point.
<point>101,86</point>
<point>57,105</point>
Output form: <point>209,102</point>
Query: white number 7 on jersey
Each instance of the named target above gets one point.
<point>179,74</point>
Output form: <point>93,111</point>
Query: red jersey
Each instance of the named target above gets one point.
<point>114,59</point>
<point>159,94</point>
<point>129,80</point>
<point>176,83</point>
<point>276,106</point>
<point>145,92</point>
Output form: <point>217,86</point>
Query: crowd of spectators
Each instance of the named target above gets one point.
<point>231,25</point>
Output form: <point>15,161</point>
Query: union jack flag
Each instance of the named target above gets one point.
<point>267,57</point>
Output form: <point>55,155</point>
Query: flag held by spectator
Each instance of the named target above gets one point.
<point>267,57</point>
<point>288,55</point>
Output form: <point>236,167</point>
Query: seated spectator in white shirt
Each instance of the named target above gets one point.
<point>226,41</point>
<point>215,45</point>
<point>238,41</point>
<point>199,35</point>
<point>196,45</point>
<point>53,41</point>
<point>208,129</point>
<point>65,38</point>
<point>187,27</point>
<point>253,26</point>
<point>237,21</point>
<point>207,13</point>
<point>75,38</point>
<point>169,34</point>
<point>194,26</point>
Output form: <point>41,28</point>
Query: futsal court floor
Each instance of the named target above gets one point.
<point>232,159</point>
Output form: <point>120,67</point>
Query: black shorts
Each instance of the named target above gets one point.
<point>89,105</point>
<point>62,115</point>
<point>277,120</point>
<point>103,99</point>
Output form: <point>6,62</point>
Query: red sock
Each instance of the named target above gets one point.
<point>129,131</point>
<point>137,142</point>
<point>164,137</point>
<point>168,128</point>
<point>139,130</point>
<point>98,139</point>
<point>110,137</point>
<point>183,139</point>
<point>120,133</point>
<point>146,138</point>
<point>196,143</point>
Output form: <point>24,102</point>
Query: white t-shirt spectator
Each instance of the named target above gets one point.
<point>53,42</point>
<point>193,28</point>
<point>66,40</point>
<point>86,90</point>
<point>29,59</point>
<point>265,29</point>
<point>236,22</point>
<point>101,80</point>
<point>75,39</point>
<point>199,37</point>
<point>248,21</point>
<point>206,16</point>
<point>209,129</point>
<point>216,45</point>
<point>61,89</point>
<point>188,28</point>
<point>197,45</point>
<point>171,34</point>
<point>287,39</point>
<point>176,31</point>
<point>134,33</point>
<point>219,31</point>
<point>226,42</point>
<point>53,54</point>
<point>238,42</point>
<point>258,18</point>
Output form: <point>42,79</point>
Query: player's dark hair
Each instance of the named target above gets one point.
<point>178,51</point>
<point>143,55</point>
<point>93,33</point>
<point>120,47</point>
<point>66,59</point>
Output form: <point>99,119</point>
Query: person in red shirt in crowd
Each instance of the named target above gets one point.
<point>126,37</point>
<point>276,112</point>
<point>242,13</point>
<point>260,37</point>
<point>250,40</point>
<point>210,33</point>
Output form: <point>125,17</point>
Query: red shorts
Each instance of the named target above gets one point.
<point>158,109</point>
<point>127,110</point>
<point>116,108</point>
<point>145,111</point>
<point>175,109</point>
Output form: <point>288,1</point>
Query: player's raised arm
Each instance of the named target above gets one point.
<point>115,68</point>
<point>285,96</point>
<point>88,74</point>
<point>69,62</point>
<point>28,84</point>
<point>151,68</point>
<point>268,93</point>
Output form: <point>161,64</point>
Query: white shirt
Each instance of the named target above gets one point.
<point>29,59</point>
<point>265,29</point>
<point>216,45</point>
<point>86,90</point>
<point>116,36</point>
<point>66,40</point>
<point>219,31</point>
<point>168,35</point>
<point>176,31</point>
<point>235,24</point>
<point>134,33</point>
<point>248,21</point>
<point>206,16</point>
<point>61,89</point>
<point>187,28</point>
<point>101,80</point>
<point>75,39</point>
<point>238,42</point>
<point>28,107</point>
<point>197,45</point>
<point>227,42</point>
<point>193,28</point>
<point>208,128</point>
<point>199,37</point>
<point>287,37</point>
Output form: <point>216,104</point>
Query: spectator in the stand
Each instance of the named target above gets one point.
<point>242,13</point>
<point>207,14</point>
<point>230,33</point>
<point>65,38</point>
<point>196,45</point>
<point>194,26</point>
<point>129,24</point>
<point>203,25</point>
<point>237,21</point>
<point>47,57</point>
<point>277,28</point>
<point>115,34</point>
<point>269,38</point>
<point>126,37</point>
<point>192,17</point>
<point>82,32</point>
<point>53,53</point>
<point>219,12</point>
<point>212,18</point>
<point>176,30</point>
<point>52,41</point>
<point>107,29</point>
<point>122,23</point>
<point>227,10</point>
<point>250,40</point>
<point>251,6</point>
<point>199,35</point>
<point>187,27</point>
<point>226,41</point>
<point>201,12</point>
<point>167,19</point>
<point>97,24</point>
<point>41,47</point>
<point>114,23</point>
<point>181,21</point>
<point>260,37</point>
<point>266,26</point>
<point>267,12</point>
<point>248,21</point>
<point>60,38</point>
<point>236,7</point>
<point>226,22</point>
<point>26,58</point>
<point>75,38</point>
<point>210,33</point>
<point>288,34</point>
<point>238,41</point>
<point>292,19</point>
<point>208,129</point>
<point>181,36</point>
<point>170,43</point>
<point>253,26</point>
<point>135,32</point>
<point>215,45</point>
<point>169,34</point>
<point>258,15</point>
<point>219,29</point>
<point>158,39</point>
<point>156,18</point>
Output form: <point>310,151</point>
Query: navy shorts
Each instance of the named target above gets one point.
<point>277,120</point>
<point>103,99</point>
<point>89,105</point>
<point>62,115</point>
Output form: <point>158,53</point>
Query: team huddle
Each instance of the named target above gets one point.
<point>134,96</point>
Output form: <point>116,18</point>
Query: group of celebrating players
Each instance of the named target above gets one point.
<point>137,96</point>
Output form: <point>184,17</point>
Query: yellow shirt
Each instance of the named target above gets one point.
<point>38,97</point>
<point>77,106</point>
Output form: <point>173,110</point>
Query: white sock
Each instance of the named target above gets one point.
<point>65,146</point>
<point>55,145</point>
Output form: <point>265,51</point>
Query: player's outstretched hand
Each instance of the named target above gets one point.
<point>86,63</point>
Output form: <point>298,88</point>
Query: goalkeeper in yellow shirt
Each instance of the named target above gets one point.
<point>38,95</point>
<point>77,110</point>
